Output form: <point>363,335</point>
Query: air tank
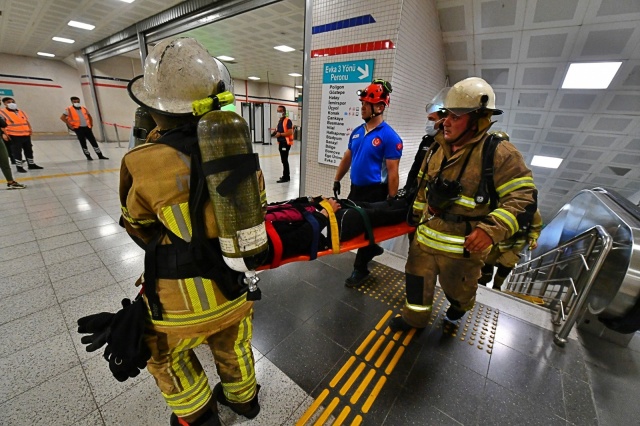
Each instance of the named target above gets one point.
<point>239,214</point>
<point>143,125</point>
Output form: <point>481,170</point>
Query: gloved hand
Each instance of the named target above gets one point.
<point>126,351</point>
<point>273,135</point>
<point>336,188</point>
<point>98,326</point>
<point>123,333</point>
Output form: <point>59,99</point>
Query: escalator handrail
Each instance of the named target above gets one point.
<point>621,201</point>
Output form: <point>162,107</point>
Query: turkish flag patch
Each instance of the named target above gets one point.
<point>399,146</point>
<point>376,142</point>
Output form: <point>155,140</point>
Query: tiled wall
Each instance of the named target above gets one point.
<point>415,68</point>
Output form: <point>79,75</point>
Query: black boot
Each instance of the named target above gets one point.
<point>99,154</point>
<point>102,157</point>
<point>248,409</point>
<point>32,165</point>
<point>209,418</point>
<point>89,158</point>
<point>20,169</point>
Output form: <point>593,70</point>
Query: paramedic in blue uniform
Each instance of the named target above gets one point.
<point>373,155</point>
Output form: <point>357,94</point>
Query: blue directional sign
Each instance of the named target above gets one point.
<point>348,72</point>
<point>6,92</point>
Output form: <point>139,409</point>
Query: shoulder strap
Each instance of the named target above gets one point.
<point>487,189</point>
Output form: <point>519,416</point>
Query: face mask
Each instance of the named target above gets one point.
<point>429,129</point>
<point>281,114</point>
<point>12,106</point>
<point>76,104</point>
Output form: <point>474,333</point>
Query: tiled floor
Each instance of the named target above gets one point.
<point>62,256</point>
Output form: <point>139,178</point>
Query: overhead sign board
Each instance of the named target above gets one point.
<point>340,106</point>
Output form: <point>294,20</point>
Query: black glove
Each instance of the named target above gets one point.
<point>273,135</point>
<point>336,188</point>
<point>98,326</point>
<point>123,333</point>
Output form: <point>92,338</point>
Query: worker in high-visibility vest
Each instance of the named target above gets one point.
<point>78,119</point>
<point>17,134</point>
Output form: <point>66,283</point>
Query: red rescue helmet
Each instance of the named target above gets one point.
<point>377,92</point>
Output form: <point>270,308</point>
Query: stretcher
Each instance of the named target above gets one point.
<point>381,233</point>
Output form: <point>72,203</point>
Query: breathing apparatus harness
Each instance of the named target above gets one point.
<point>442,193</point>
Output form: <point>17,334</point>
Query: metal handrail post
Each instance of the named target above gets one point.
<point>560,338</point>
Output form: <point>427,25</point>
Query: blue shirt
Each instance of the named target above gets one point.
<point>370,151</point>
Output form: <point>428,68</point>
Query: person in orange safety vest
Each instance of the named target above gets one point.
<point>284,133</point>
<point>78,119</point>
<point>17,134</point>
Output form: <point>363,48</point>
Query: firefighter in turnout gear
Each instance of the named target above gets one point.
<point>157,211</point>
<point>458,220</point>
<point>506,254</point>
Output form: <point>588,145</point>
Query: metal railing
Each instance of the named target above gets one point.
<point>562,278</point>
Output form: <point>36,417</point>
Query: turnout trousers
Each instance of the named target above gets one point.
<point>181,378</point>
<point>458,277</point>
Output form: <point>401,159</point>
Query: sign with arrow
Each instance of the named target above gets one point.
<point>340,106</point>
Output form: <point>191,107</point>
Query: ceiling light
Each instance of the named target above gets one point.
<point>81,25</point>
<point>253,78</point>
<point>590,75</point>
<point>128,1</point>
<point>48,55</point>
<point>284,48</point>
<point>225,58</point>
<point>63,40</point>
<point>295,74</point>
<point>298,87</point>
<point>548,162</point>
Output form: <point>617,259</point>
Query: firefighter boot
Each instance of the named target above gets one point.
<point>399,324</point>
<point>248,409</point>
<point>209,418</point>
<point>453,317</point>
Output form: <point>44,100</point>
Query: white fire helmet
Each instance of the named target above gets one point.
<point>437,102</point>
<point>225,76</point>
<point>176,73</point>
<point>471,94</point>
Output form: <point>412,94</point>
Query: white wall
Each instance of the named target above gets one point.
<point>43,100</point>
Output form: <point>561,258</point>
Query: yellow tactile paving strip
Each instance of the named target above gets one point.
<point>355,387</point>
<point>57,175</point>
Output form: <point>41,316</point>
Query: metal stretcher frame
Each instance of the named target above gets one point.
<point>381,233</point>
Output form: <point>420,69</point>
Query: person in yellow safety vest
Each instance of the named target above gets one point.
<point>284,134</point>
<point>155,207</point>
<point>17,134</point>
<point>78,119</point>
<point>506,254</point>
<point>457,220</point>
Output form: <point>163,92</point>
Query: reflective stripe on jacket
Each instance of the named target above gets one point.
<point>17,123</point>
<point>513,182</point>
<point>74,119</point>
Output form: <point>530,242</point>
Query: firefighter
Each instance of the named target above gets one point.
<point>155,209</point>
<point>457,223</point>
<point>506,254</point>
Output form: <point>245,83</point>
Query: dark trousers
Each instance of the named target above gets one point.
<point>370,193</point>
<point>19,144</point>
<point>84,133</point>
<point>284,149</point>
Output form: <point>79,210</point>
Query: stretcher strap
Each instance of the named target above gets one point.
<point>277,244</point>
<point>333,225</point>
<point>368,230</point>
<point>313,251</point>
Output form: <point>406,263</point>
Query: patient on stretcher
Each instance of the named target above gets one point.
<point>305,226</point>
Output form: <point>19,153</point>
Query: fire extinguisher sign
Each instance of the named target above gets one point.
<point>340,108</point>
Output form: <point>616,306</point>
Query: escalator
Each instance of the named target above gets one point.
<point>586,267</point>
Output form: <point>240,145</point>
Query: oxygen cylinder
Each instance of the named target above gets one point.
<point>143,125</point>
<point>239,216</point>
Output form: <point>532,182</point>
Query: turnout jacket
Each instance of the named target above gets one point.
<point>520,239</point>
<point>154,194</point>
<point>513,183</point>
